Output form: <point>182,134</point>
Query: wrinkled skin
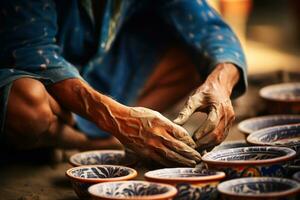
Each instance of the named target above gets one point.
<point>212,97</point>
<point>143,130</point>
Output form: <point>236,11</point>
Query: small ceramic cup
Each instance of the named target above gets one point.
<point>83,177</point>
<point>102,157</point>
<point>259,188</point>
<point>250,161</point>
<point>133,190</point>
<point>191,183</point>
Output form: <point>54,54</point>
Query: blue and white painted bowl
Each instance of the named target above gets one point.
<point>250,161</point>
<point>282,98</point>
<point>285,135</point>
<point>231,144</point>
<point>102,157</point>
<point>248,126</point>
<point>83,177</point>
<point>191,183</point>
<point>141,190</point>
<point>259,188</point>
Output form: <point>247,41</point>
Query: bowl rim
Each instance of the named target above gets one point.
<point>263,91</point>
<point>132,174</point>
<point>76,164</point>
<point>253,137</point>
<point>170,193</point>
<point>241,125</point>
<point>150,176</point>
<point>290,153</point>
<point>296,176</point>
<point>291,191</point>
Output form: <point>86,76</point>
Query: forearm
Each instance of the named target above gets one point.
<point>80,98</point>
<point>225,75</point>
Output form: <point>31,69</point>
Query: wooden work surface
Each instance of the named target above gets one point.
<point>38,175</point>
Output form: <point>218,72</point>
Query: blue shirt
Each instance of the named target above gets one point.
<point>53,40</point>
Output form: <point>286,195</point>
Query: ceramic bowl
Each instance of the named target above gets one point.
<point>296,176</point>
<point>191,183</point>
<point>282,98</point>
<point>102,157</point>
<point>83,177</point>
<point>248,126</point>
<point>250,161</point>
<point>141,190</point>
<point>259,188</point>
<point>285,135</point>
<point>231,144</point>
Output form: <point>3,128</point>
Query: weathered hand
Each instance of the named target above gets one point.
<point>151,134</point>
<point>143,130</point>
<point>213,97</point>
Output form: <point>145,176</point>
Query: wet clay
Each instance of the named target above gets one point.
<point>212,97</point>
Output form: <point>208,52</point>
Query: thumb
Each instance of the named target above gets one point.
<point>187,111</point>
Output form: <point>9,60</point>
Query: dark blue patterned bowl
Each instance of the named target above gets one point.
<point>141,190</point>
<point>83,177</point>
<point>191,183</point>
<point>248,126</point>
<point>285,135</point>
<point>259,188</point>
<point>250,161</point>
<point>282,98</point>
<point>102,157</point>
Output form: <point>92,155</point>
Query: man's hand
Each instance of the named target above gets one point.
<point>145,131</point>
<point>152,135</point>
<point>212,97</point>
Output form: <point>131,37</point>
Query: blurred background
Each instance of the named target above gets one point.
<point>269,31</point>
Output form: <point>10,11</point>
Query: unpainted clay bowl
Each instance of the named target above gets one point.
<point>259,188</point>
<point>191,183</point>
<point>282,98</point>
<point>83,177</point>
<point>103,157</point>
<point>250,161</point>
<point>285,135</point>
<point>133,190</point>
<point>248,126</point>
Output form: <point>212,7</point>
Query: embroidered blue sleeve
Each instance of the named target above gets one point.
<point>204,30</point>
<point>28,44</point>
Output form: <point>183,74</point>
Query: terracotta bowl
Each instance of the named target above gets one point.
<point>282,98</point>
<point>250,161</point>
<point>285,135</point>
<point>296,176</point>
<point>191,183</point>
<point>259,188</point>
<point>231,144</point>
<point>102,157</point>
<point>83,177</point>
<point>248,126</point>
<point>138,190</point>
